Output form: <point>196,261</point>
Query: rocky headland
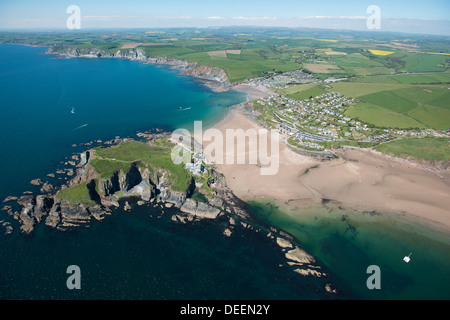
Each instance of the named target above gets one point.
<point>90,194</point>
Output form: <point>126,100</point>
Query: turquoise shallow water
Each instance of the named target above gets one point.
<point>349,241</point>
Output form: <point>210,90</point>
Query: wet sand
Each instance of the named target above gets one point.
<point>359,179</point>
<point>254,92</point>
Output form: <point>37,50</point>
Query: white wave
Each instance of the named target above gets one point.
<point>84,125</point>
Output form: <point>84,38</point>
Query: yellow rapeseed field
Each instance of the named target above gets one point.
<point>381,52</point>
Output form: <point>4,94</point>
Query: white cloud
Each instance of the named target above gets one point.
<point>173,17</point>
<point>101,17</point>
<point>254,18</point>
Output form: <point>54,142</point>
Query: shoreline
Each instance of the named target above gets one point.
<point>307,165</point>
<point>213,78</point>
<point>358,179</point>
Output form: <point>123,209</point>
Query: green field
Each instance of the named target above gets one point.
<point>427,149</point>
<point>241,68</point>
<point>298,88</point>
<point>421,62</point>
<point>404,107</point>
<point>124,154</point>
<point>381,117</point>
<point>76,194</point>
<point>308,93</point>
<point>424,78</point>
<point>106,167</point>
<point>250,63</point>
<point>390,100</point>
<point>357,89</point>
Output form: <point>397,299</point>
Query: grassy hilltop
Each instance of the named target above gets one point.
<point>120,158</point>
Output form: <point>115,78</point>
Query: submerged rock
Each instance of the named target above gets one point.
<point>10,198</point>
<point>309,273</point>
<point>227,233</point>
<point>329,289</point>
<point>36,182</point>
<point>7,227</point>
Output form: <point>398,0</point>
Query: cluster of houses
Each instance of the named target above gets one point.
<point>313,119</point>
<point>286,78</point>
<point>308,144</point>
<point>197,166</point>
<point>322,119</point>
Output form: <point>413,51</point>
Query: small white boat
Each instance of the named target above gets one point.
<point>407,259</point>
<point>72,111</point>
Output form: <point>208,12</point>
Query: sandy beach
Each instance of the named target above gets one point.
<point>359,179</point>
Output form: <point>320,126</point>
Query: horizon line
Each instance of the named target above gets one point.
<point>59,29</point>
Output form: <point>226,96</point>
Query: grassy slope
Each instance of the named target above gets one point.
<point>131,151</point>
<point>120,157</point>
<point>425,104</point>
<point>427,149</point>
<point>77,194</point>
<point>381,117</point>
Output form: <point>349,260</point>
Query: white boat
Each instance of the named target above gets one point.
<point>72,111</point>
<point>407,259</point>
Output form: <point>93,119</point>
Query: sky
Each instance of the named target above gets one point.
<point>413,16</point>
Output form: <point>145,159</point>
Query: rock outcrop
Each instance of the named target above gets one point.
<point>199,209</point>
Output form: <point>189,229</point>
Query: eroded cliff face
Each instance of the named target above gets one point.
<point>213,77</point>
<point>131,54</point>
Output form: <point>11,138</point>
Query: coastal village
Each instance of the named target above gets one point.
<point>320,122</point>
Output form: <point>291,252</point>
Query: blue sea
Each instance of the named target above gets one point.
<point>48,104</point>
<point>108,97</point>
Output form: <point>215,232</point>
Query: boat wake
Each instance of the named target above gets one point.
<point>84,125</point>
<point>184,109</point>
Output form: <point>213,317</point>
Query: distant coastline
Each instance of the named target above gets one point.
<point>214,78</point>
